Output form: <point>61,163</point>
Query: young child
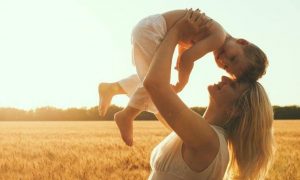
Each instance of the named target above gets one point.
<point>241,59</point>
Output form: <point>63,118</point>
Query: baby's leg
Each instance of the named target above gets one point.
<point>124,120</point>
<point>144,44</point>
<point>107,91</point>
<point>125,117</point>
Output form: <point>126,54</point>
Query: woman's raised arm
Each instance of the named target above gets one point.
<point>189,126</point>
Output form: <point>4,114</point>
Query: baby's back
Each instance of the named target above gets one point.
<point>172,17</point>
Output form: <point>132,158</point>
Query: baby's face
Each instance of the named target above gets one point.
<point>231,58</point>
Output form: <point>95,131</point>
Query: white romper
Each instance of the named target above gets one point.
<point>146,37</point>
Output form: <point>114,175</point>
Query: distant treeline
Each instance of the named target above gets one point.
<point>88,114</point>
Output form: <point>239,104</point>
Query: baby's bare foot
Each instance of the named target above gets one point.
<point>105,96</point>
<point>125,125</point>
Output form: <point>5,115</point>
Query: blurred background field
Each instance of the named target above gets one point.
<point>94,150</point>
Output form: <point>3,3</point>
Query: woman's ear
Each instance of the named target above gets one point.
<point>242,41</point>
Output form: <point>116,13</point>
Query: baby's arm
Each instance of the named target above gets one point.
<point>202,47</point>
<point>181,48</point>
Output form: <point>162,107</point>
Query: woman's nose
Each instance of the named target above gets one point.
<point>225,79</point>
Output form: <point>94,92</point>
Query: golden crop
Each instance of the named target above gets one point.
<point>94,150</point>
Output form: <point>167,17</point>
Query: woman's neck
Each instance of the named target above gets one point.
<point>215,115</point>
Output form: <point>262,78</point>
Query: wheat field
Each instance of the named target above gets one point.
<point>94,150</point>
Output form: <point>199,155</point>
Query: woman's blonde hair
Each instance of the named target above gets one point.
<point>250,135</point>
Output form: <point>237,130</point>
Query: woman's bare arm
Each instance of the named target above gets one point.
<point>163,121</point>
<point>190,127</point>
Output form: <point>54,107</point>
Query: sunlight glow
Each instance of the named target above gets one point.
<point>54,53</point>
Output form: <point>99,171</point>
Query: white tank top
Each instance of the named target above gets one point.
<point>167,163</point>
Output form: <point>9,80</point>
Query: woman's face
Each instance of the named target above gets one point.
<point>226,92</point>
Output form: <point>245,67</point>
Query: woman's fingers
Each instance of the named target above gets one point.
<point>208,23</point>
<point>195,15</point>
<point>205,25</point>
<point>190,14</point>
<point>201,19</point>
<point>191,23</point>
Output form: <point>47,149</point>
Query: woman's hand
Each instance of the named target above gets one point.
<point>190,24</point>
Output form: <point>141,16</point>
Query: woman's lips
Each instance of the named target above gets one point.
<point>218,85</point>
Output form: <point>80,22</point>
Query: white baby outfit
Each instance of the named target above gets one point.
<point>146,37</point>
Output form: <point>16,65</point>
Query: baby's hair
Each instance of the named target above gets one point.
<point>258,63</point>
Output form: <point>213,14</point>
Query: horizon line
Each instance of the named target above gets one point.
<point>90,107</point>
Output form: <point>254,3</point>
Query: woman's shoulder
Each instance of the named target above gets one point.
<point>203,158</point>
<point>219,145</point>
<point>221,133</point>
<point>219,130</point>
<point>223,146</point>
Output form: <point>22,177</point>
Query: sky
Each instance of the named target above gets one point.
<point>54,53</point>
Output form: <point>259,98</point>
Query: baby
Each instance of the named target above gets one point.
<point>241,59</point>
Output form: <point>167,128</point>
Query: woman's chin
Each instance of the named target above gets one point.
<point>210,89</point>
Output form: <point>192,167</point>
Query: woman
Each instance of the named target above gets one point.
<point>238,57</point>
<point>239,114</point>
